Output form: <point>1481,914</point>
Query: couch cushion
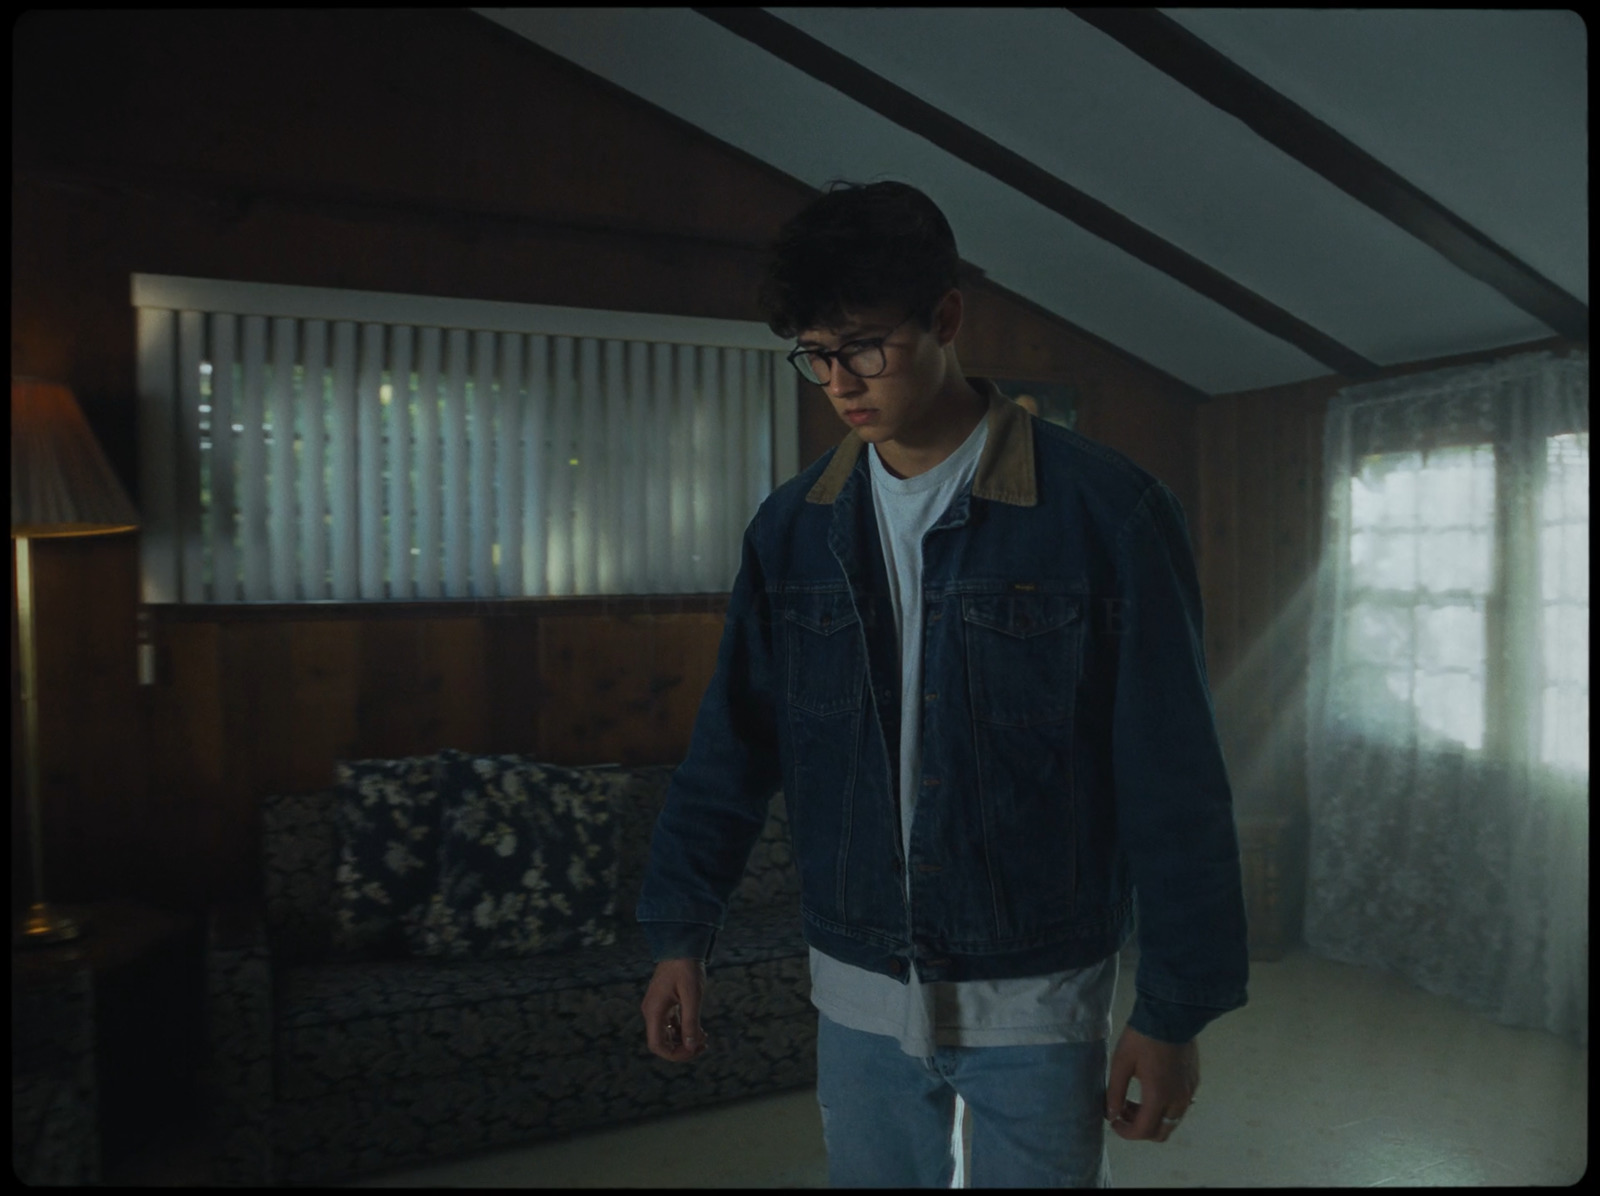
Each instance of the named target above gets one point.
<point>527,859</point>
<point>639,802</point>
<point>388,820</point>
<point>770,877</point>
<point>513,1098</point>
<point>355,1026</point>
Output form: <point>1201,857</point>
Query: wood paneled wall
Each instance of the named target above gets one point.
<point>261,700</point>
<point>423,151</point>
<point>1256,544</point>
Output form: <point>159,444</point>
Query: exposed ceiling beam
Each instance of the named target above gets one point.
<point>826,64</point>
<point>240,195</point>
<point>1173,49</point>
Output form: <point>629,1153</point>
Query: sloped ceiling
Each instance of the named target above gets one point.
<point>1238,197</point>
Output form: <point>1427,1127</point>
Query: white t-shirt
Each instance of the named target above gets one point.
<point>1070,1006</point>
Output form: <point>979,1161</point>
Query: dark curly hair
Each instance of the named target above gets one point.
<point>858,246</point>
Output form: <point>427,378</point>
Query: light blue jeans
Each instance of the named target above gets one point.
<point>889,1120</point>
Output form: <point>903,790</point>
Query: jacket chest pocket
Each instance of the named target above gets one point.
<point>827,671</point>
<point>1022,656</point>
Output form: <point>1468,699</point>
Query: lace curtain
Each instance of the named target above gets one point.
<point>1448,697</point>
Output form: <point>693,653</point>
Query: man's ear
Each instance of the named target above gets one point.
<point>947,317</point>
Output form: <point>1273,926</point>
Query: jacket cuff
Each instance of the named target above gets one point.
<point>679,940</point>
<point>1166,1021</point>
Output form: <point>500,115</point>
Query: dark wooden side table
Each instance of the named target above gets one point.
<point>148,979</point>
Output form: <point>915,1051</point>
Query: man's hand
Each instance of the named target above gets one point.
<point>1169,1076</point>
<point>672,1010</point>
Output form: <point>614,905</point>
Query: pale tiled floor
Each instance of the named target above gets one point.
<point>1332,1076</point>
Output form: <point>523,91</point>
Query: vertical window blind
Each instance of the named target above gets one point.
<point>304,444</point>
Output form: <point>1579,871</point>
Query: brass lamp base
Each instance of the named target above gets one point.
<point>44,925</point>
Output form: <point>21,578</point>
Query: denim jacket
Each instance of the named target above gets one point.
<point>1070,761</point>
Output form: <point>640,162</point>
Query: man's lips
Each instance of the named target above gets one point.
<point>860,415</point>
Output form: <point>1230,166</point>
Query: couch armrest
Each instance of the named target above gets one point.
<point>54,1093</point>
<point>237,1073</point>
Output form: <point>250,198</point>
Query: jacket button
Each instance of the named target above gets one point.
<point>896,966</point>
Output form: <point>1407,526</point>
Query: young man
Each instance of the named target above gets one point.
<point>967,645</point>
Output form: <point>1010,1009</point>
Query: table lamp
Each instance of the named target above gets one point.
<point>61,485</point>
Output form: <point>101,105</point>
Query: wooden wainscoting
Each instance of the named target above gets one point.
<point>1256,543</point>
<point>256,700</point>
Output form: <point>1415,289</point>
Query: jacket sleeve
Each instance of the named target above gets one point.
<point>1174,804</point>
<point>717,800</point>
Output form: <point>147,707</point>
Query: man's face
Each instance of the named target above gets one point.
<point>880,408</point>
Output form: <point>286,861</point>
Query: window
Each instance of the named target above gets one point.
<point>304,444</point>
<point>1438,571</point>
<point>1421,564</point>
<point>1564,601</point>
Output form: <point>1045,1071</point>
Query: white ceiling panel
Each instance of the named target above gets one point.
<point>1486,110</point>
<point>745,97</point>
<point>1050,87</point>
<point>1078,104</point>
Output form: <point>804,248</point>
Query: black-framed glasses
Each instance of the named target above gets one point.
<point>863,358</point>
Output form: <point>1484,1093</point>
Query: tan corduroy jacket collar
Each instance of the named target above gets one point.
<point>1005,471</point>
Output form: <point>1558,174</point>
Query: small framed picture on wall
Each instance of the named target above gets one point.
<point>1053,402</point>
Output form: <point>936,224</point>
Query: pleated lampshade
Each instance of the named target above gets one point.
<point>61,482</point>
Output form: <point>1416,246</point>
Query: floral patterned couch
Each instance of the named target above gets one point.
<point>394,1001</point>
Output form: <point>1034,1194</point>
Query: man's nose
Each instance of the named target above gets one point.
<point>842,382</point>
